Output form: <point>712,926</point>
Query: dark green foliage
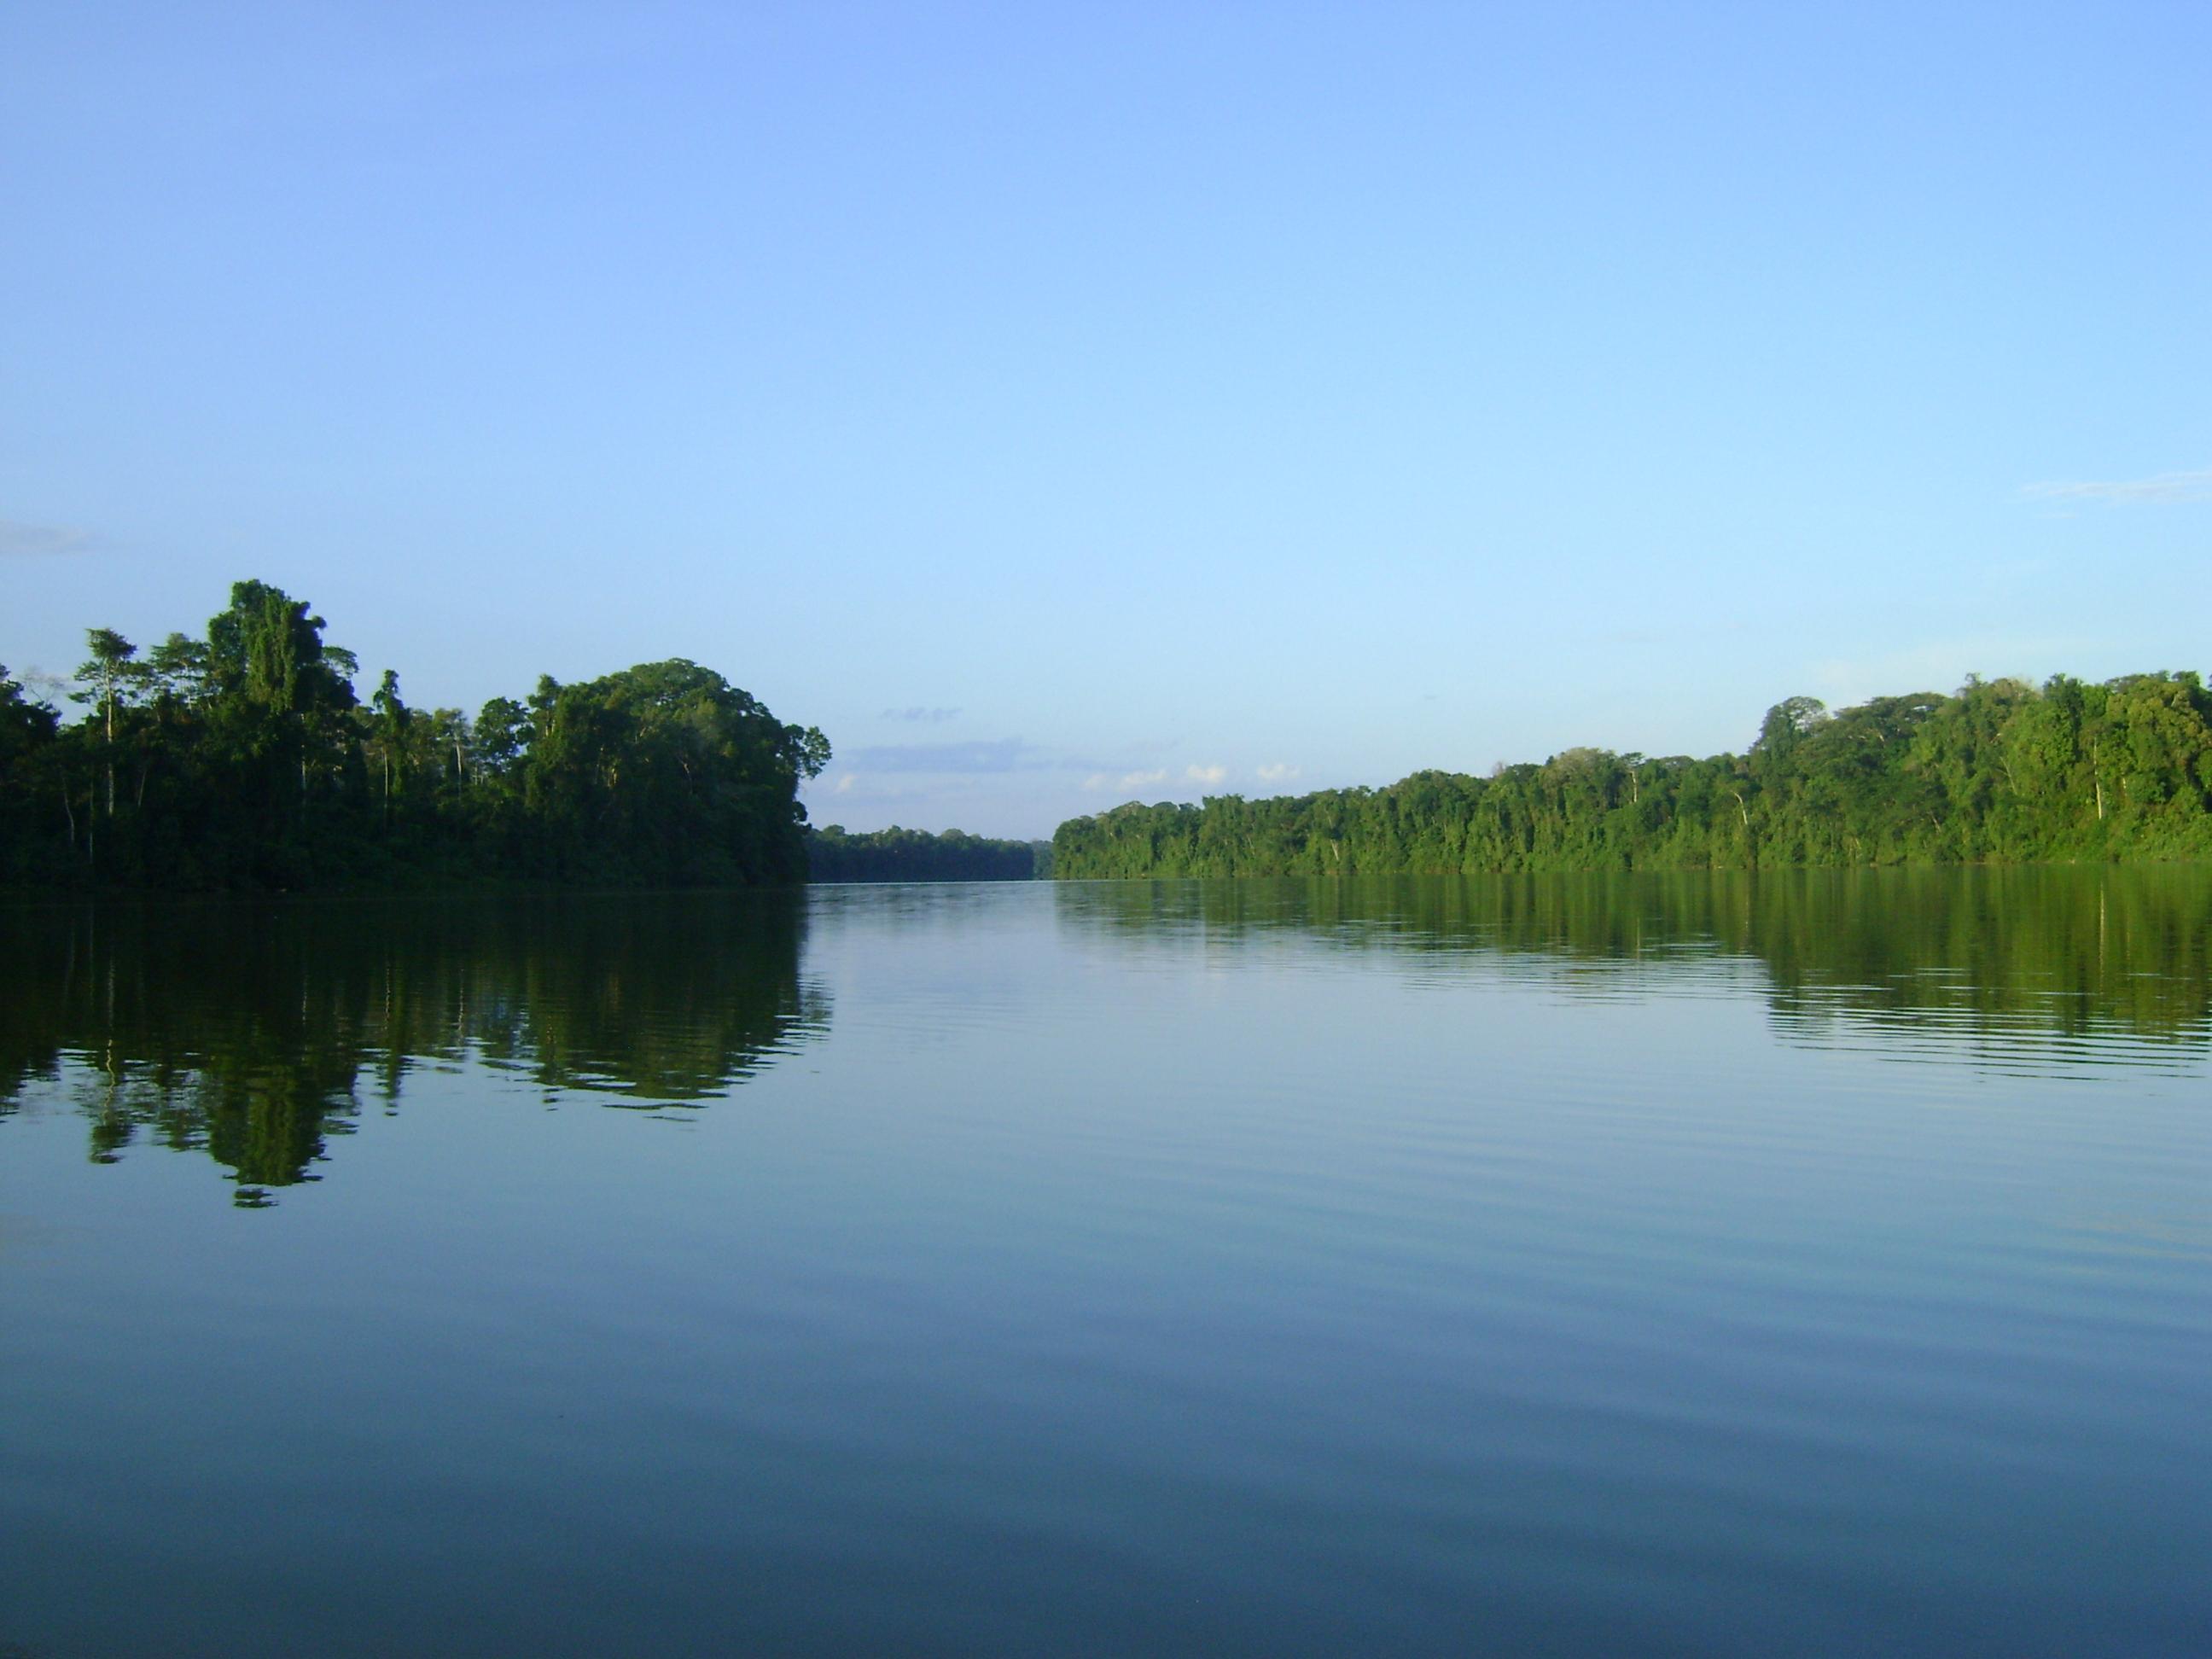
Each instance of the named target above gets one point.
<point>27,744</point>
<point>244,760</point>
<point>2000,773</point>
<point>2057,952</point>
<point>897,854</point>
<point>665,773</point>
<point>257,1031</point>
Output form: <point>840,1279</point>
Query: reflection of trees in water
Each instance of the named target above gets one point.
<point>2017,954</point>
<point>253,1031</point>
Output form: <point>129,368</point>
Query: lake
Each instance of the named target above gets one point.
<point>1810,1263</point>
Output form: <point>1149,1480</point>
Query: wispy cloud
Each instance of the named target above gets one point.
<point>1206,773</point>
<point>1277,772</point>
<point>31,540</point>
<point>1004,755</point>
<point>1941,664</point>
<point>2160,489</point>
<point>917,715</point>
<point>1126,779</point>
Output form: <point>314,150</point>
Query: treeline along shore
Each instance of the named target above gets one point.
<point>834,854</point>
<point>243,758</point>
<point>2001,772</point>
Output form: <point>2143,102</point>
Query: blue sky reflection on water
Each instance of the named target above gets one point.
<point>1198,1267</point>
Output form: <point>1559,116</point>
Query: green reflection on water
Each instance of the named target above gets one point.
<point>2021,952</point>
<point>254,1032</point>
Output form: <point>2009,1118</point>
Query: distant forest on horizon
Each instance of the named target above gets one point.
<point>2001,771</point>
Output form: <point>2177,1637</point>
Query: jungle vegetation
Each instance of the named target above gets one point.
<point>2001,772</point>
<point>834,853</point>
<point>243,758</point>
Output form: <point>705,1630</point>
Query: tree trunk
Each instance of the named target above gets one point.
<point>111,748</point>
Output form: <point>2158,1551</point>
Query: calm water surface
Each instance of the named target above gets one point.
<point>1807,1264</point>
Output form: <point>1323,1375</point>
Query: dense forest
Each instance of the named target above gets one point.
<point>833,854</point>
<point>243,758</point>
<point>2002,772</point>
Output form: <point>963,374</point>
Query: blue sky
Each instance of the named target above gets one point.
<point>1058,405</point>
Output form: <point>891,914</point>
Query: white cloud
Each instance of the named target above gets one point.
<point>844,785</point>
<point>1127,781</point>
<point>1003,754</point>
<point>1277,772</point>
<point>18,539</point>
<point>1206,773</point>
<point>2160,488</point>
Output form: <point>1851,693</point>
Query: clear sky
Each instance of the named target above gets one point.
<point>1063,403</point>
